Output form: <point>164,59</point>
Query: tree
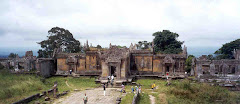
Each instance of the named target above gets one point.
<point>143,44</point>
<point>226,51</point>
<point>58,38</point>
<point>121,46</point>
<point>166,42</point>
<point>12,55</point>
<point>188,64</point>
<point>99,47</point>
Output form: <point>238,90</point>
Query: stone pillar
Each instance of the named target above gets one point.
<point>105,70</point>
<point>164,70</point>
<point>118,69</point>
<point>212,69</point>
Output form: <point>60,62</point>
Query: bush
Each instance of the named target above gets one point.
<point>201,92</point>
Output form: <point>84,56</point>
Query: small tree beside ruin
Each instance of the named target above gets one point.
<point>12,55</point>
<point>58,38</point>
<point>188,63</point>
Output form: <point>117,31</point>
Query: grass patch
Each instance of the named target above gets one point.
<point>144,99</point>
<point>185,92</point>
<point>14,87</point>
<point>202,93</point>
<point>127,99</point>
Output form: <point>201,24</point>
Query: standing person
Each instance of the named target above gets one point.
<point>122,88</point>
<point>139,88</point>
<point>136,88</point>
<point>109,79</point>
<point>85,99</point>
<point>104,89</point>
<point>112,82</point>
<point>112,77</point>
<point>70,71</point>
<point>132,89</point>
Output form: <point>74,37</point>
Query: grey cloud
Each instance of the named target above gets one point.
<point>121,22</point>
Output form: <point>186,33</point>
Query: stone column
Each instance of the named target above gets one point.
<point>163,69</point>
<point>118,68</point>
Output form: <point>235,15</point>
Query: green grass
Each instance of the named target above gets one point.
<point>14,87</point>
<point>184,92</point>
<point>144,99</point>
<point>127,99</point>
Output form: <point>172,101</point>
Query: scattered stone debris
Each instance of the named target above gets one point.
<point>47,98</point>
<point>118,101</point>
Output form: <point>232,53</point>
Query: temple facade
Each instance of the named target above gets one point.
<point>123,63</point>
<point>202,66</point>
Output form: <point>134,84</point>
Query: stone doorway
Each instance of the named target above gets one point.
<point>113,71</point>
<point>72,67</point>
<point>167,68</point>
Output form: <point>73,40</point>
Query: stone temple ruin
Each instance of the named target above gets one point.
<point>27,62</point>
<point>202,66</point>
<point>225,72</point>
<point>126,64</point>
<point>123,63</point>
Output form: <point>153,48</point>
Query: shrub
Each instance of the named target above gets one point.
<point>201,92</point>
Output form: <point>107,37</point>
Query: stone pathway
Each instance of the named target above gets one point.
<point>152,99</point>
<point>95,96</point>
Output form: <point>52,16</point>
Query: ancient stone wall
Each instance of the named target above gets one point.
<point>203,66</point>
<point>147,63</point>
<point>91,62</point>
<point>46,67</point>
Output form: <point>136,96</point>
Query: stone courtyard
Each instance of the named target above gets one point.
<point>95,96</point>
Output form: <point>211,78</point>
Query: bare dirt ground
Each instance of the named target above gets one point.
<point>95,96</point>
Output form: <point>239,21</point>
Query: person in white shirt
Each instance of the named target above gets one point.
<point>112,77</point>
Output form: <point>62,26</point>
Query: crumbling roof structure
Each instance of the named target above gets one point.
<point>114,54</point>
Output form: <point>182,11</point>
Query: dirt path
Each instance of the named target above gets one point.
<point>67,83</point>
<point>152,99</point>
<point>95,96</point>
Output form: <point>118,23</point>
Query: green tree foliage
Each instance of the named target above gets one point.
<point>166,42</point>
<point>188,64</point>
<point>121,46</point>
<point>143,44</point>
<point>99,47</point>
<point>58,38</point>
<point>12,55</point>
<point>226,51</point>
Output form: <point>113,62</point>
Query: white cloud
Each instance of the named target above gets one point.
<point>199,23</point>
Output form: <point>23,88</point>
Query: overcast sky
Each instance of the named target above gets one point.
<point>200,23</point>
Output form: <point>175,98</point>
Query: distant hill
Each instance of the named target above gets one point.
<point>4,52</point>
<point>199,51</point>
<point>3,56</point>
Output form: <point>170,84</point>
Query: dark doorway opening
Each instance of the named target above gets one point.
<point>233,70</point>
<point>167,70</point>
<point>113,71</point>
